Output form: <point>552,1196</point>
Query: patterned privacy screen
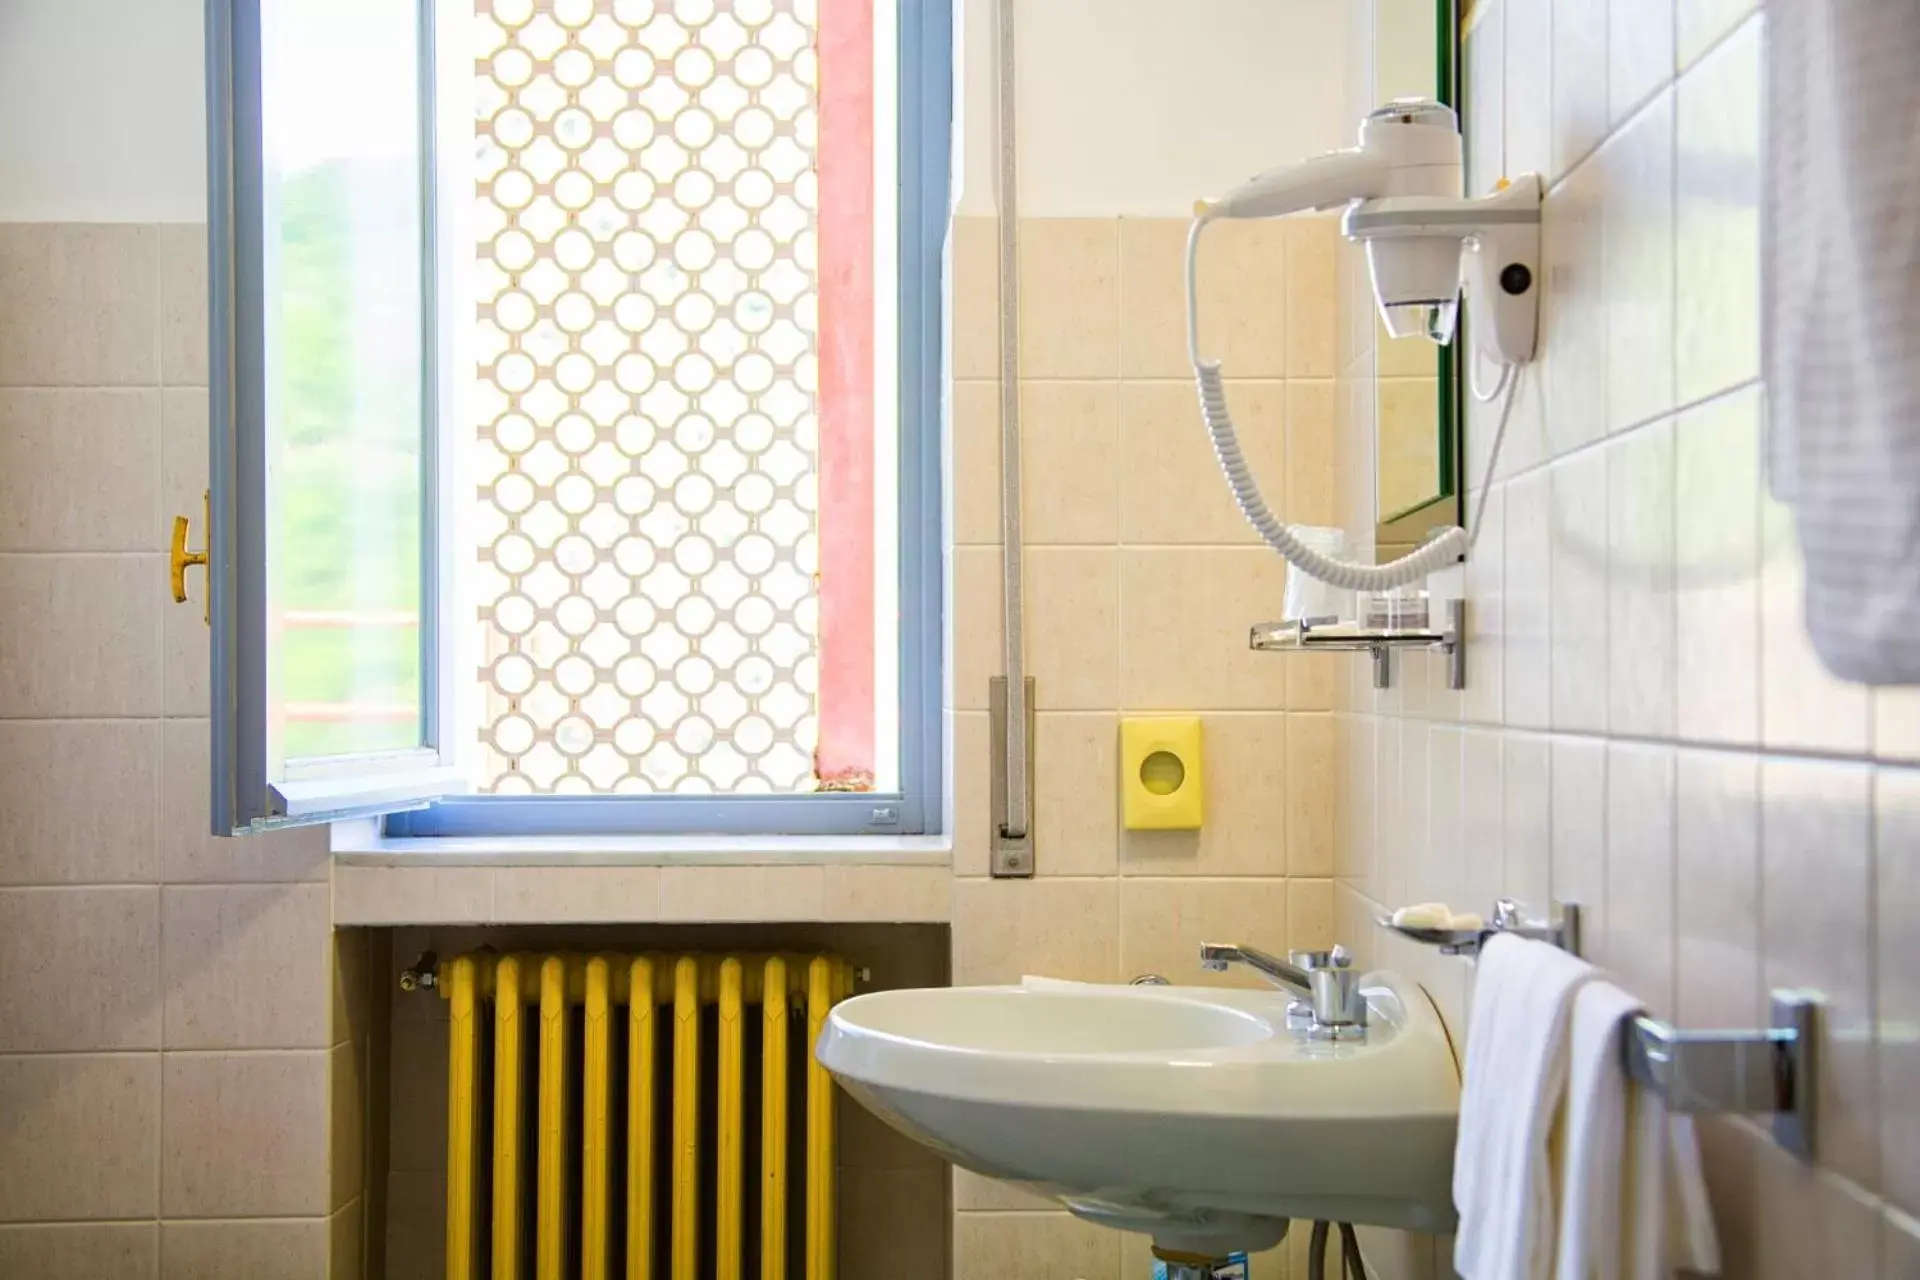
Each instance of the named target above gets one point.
<point>648,435</point>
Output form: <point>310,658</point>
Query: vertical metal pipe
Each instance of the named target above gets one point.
<point>1011,543</point>
<point>820,1152</point>
<point>550,1194</point>
<point>686,1119</point>
<point>773,1122</point>
<point>509,1092</point>
<point>730,1116</point>
<point>463,1117</point>
<point>640,1113</point>
<point>596,1123</point>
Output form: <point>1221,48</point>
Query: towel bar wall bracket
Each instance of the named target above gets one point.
<point>1763,1072</point>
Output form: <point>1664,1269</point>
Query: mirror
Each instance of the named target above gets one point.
<point>1415,407</point>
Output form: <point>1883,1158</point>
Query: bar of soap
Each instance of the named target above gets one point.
<point>1423,915</point>
<point>1467,922</point>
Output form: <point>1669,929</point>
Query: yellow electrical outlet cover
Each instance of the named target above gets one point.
<point>1160,768</point>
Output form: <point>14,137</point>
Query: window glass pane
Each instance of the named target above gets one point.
<point>344,353</point>
<point>685,508</point>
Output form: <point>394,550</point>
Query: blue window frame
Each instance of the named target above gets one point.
<point>290,173</point>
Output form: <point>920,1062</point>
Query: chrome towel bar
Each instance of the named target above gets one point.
<point>1763,1072</point>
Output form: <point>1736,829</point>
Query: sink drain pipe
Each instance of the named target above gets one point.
<point>1352,1266</point>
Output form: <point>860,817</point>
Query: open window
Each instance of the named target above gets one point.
<point>576,414</point>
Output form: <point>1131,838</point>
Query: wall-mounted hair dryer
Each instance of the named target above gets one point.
<point>1403,191</point>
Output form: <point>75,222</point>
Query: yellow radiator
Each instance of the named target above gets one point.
<point>589,1135</point>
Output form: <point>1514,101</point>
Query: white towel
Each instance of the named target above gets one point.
<point>1841,305</point>
<point>1633,1205</point>
<point>1515,1078</point>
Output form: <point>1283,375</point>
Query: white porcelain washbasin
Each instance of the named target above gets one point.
<point>1194,1114</point>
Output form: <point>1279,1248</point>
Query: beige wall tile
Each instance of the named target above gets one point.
<point>972,1191</point>
<point>1803,706</point>
<point>1639,938</point>
<point>1407,436</point>
<point>889,894</point>
<point>189,854</point>
<point>894,1223</point>
<point>1003,929</point>
<point>1899,1247</point>
<point>1312,787</point>
<point>1717,486</point>
<point>1636,167</point>
<point>1313,301</point>
<point>1163,923</point>
<point>1310,915</point>
<point>1897,966</point>
<point>742,893</point>
<point>1717,215</point>
<point>1436,875</point>
<point>1526,668</point>
<point>977,655</point>
<point>71,1251</point>
<point>1070,465</point>
<point>1641,664</point>
<point>411,895</point>
<point>976,463</point>
<point>291,1247</point>
<point>1810,1222</point>
<point>1171,487</point>
<point>972,797</point>
<point>1817,921</point>
<point>1313,481</point>
<point>1184,616</point>
<point>1579,592</point>
<point>1573,300</point>
<point>1032,1246</point>
<point>183,486</point>
<point>183,304</point>
<point>1639,52</point>
<point>547,895</point>
<point>1243,298</point>
<point>976,298</point>
<point>57,1105</point>
<point>1717,853</point>
<point>81,965</point>
<point>248,967</point>
<point>1247,786</point>
<point>80,635</point>
<point>348,1089</point>
<point>1580,107</point>
<point>244,1135</point>
<point>79,802</point>
<point>1069,298</point>
<point>1073,627</point>
<point>185,654</point>
<point>347,1236</point>
<point>1076,793</point>
<point>78,303</point>
<point>78,470</point>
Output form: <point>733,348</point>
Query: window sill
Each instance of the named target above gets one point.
<point>360,843</point>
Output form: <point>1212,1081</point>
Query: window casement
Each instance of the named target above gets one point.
<point>576,414</point>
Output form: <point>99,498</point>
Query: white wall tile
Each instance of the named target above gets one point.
<point>1527,679</point>
<point>1640,576</point>
<point>1580,115</point>
<point>1717,218</point>
<point>1637,945</point>
<point>1639,53</point>
<point>1717,847</point>
<point>1636,168</point>
<point>1579,822</point>
<point>1717,570</point>
<point>1578,616</point>
<point>1573,315</point>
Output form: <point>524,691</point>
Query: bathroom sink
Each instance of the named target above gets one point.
<point>1197,1115</point>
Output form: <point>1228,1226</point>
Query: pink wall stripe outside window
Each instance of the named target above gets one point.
<point>844,756</point>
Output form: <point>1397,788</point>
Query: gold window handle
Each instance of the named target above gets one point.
<point>182,559</point>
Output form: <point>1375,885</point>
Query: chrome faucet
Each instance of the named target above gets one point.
<point>1331,1005</point>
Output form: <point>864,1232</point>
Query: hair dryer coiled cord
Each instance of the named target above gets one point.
<point>1444,549</point>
